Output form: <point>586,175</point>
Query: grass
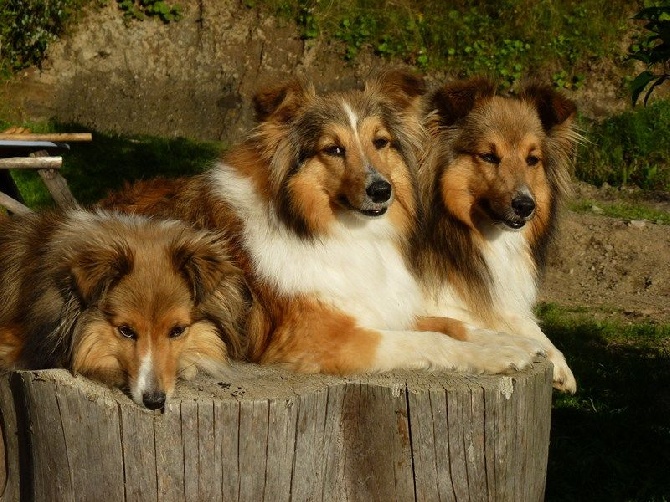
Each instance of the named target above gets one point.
<point>611,441</point>
<point>625,211</point>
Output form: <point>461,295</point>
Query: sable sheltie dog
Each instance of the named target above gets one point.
<point>122,299</point>
<point>495,171</point>
<point>320,201</point>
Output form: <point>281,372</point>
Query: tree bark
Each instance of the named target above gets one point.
<point>267,434</point>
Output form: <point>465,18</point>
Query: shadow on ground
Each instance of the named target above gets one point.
<point>611,441</point>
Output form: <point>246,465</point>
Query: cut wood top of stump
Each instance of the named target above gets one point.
<point>250,382</point>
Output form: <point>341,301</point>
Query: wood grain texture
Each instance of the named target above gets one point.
<point>31,163</point>
<point>61,137</point>
<point>268,435</point>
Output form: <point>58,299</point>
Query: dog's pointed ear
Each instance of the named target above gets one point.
<point>203,261</point>
<point>280,103</point>
<point>552,107</point>
<point>456,99</point>
<point>403,86</point>
<point>95,268</point>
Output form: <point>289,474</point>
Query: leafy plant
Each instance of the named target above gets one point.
<point>140,9</point>
<point>653,50</point>
<point>309,28</point>
<point>27,27</point>
<point>630,148</point>
<point>466,38</point>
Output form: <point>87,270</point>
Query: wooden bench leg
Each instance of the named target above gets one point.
<point>58,188</point>
<point>13,206</point>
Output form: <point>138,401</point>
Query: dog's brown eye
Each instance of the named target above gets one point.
<point>490,158</point>
<point>127,332</point>
<point>334,151</point>
<point>532,160</point>
<point>177,331</point>
<point>381,143</point>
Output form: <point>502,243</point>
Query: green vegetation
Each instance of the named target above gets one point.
<point>630,148</point>
<point>507,39</point>
<point>625,211</point>
<point>28,26</point>
<point>653,49</point>
<point>611,441</point>
<point>141,9</point>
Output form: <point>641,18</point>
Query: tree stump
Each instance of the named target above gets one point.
<point>265,434</point>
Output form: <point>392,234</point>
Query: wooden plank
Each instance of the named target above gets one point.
<point>58,188</point>
<point>31,163</point>
<point>423,446</point>
<point>476,450</point>
<point>169,453</point>
<point>377,453</point>
<point>189,437</point>
<point>139,453</point>
<point>335,479</point>
<point>65,137</point>
<point>209,453</point>
<point>10,480</point>
<point>282,419</point>
<point>307,479</point>
<point>411,436</point>
<point>253,441</point>
<point>51,477</point>
<point>95,463</point>
<point>13,205</point>
<point>227,418</point>
<point>457,430</point>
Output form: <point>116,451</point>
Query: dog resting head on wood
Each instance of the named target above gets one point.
<point>126,300</point>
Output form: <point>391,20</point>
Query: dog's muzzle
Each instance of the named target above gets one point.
<point>523,206</point>
<point>523,209</point>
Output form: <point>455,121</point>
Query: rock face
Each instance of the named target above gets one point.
<point>192,78</point>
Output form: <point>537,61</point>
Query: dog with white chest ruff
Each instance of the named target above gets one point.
<point>495,171</point>
<point>320,202</point>
<point>122,299</point>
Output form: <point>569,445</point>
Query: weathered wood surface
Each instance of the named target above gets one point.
<point>58,188</point>
<point>264,434</point>
<point>13,205</point>
<point>62,137</point>
<point>31,163</point>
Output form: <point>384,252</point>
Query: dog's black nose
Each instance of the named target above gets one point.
<point>523,205</point>
<point>379,191</point>
<point>154,400</point>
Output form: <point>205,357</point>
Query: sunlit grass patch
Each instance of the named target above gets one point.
<point>623,210</point>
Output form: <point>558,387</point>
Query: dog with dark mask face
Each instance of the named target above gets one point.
<point>495,171</point>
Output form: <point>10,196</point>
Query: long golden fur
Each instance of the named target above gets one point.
<point>495,171</point>
<point>319,202</point>
<point>122,299</point>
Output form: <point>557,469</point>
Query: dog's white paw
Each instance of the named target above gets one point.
<point>564,380</point>
<point>496,359</point>
<point>488,337</point>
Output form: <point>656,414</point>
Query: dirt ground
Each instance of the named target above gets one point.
<point>195,78</point>
<point>615,267</point>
